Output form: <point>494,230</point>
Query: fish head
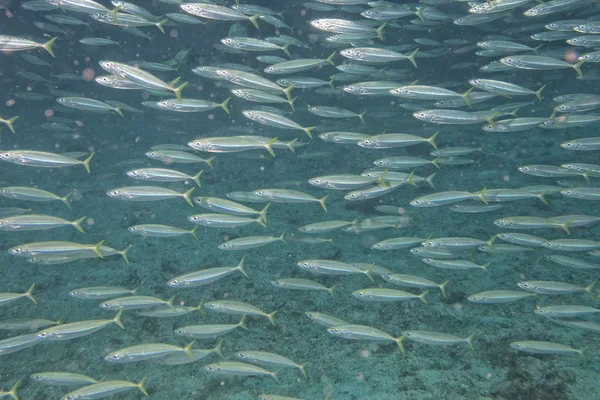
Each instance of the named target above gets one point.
<point>569,145</point>
<point>540,310</point>
<point>418,203</point>
<point>318,182</point>
<point>135,173</point>
<point>475,298</point>
<point>424,115</point>
<point>283,82</point>
<point>231,42</point>
<point>104,80</point>
<point>61,100</point>
<point>352,54</point>
<point>270,69</point>
<point>352,196</point>
<point>133,229</point>
<point>174,283</point>
<point>319,23</point>
<point>115,357</point>
<point>107,305</point>
<point>380,163</point>
<point>511,62</point>
<point>115,193</point>
<point>107,65</point>
<point>17,251</point>
<point>74,293</point>
<point>250,114</point>
<point>526,286</point>
<point>226,246</point>
<point>336,331</point>
<point>430,243</point>
<point>359,294</point>
<point>583,28</point>
<point>534,11</point>
<point>242,356</point>
<point>212,368</point>
<point>43,335</point>
<point>503,223</point>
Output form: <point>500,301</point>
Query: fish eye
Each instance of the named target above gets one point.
<point>430,243</point>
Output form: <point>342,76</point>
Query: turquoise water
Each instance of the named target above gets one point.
<point>344,369</point>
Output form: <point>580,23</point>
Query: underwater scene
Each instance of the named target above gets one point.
<point>280,199</point>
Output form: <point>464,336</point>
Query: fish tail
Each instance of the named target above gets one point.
<point>218,347</point>
<point>442,287</point>
<point>48,46</point>
<point>117,319</point>
<point>160,24</point>
<point>200,307</point>
<point>362,116</point>
<point>13,391</point>
<point>142,388</point>
<point>410,180</point>
<point>368,272</point>
<point>271,317</point>
<point>411,58</point>
<point>380,31</point>
<point>466,96</point>
<point>188,349</point>
<point>269,146</point>
<point>288,91</point>
<point>307,130</point>
<point>429,179</point>
<point>331,289</point>
<point>240,267</point>
<point>196,178</point>
<point>263,213</point>
<point>96,248</point>
<point>261,222</point>
<point>291,144</point>
<point>119,111</point>
<point>330,58</point>
<point>565,226</point>
<point>542,198</point>
<point>538,93</point>
<point>209,161</point>
<point>583,352</point>
<point>66,199</point>
<point>399,341</point>
<point>588,289</point>
<point>482,195</point>
<point>291,103</point>
<point>422,296</point>
<point>170,303</point>
<point>431,140</point>
<point>435,162</point>
<point>469,341</point>
<point>302,368</point>
<point>242,323</point>
<point>536,49</point>
<point>9,122</point>
<point>577,68</point>
<point>381,179</point>
<point>187,197</point>
<point>29,294</point>
<point>274,375</point>
<point>193,232</point>
<point>77,224</point>
<point>123,253</point>
<point>86,163</point>
<point>114,12</point>
<point>491,243</point>
<point>322,201</point>
<point>178,90</point>
<point>485,267</point>
<point>254,19</point>
<point>286,50</point>
<point>224,105</point>
<point>282,236</point>
<point>330,83</point>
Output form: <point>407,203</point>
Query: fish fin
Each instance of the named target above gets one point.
<point>431,140</point>
<point>9,122</point>
<point>435,162</point>
<point>66,199</point>
<point>466,96</point>
<point>538,93</point>
<point>48,46</point>
<point>119,111</point>
<point>422,296</point>
<point>254,19</point>
<point>331,289</point>
<point>330,58</point>
<point>282,236</point>
<point>411,58</point>
<point>29,294</point>
<point>482,195</point>
<point>291,144</point>
<point>485,267</point>
<point>218,347</point>
<point>160,24</point>
<point>442,287</point>
<point>170,303</point>
<point>77,224</point>
<point>429,179</point>
<point>196,178</point>
<point>260,222</point>
<point>577,68</point>
<point>178,90</point>
<point>271,317</point>
<point>263,213</point>
<point>368,272</point>
<point>302,368</point>
<point>291,103</point>
<point>362,116</point>
<point>330,83</point>
<point>269,146</point>
<point>399,341</point>
<point>86,163</point>
<point>193,232</point>
<point>188,349</point>
<point>223,105</point>
<point>242,323</point>
<point>209,161</point>
<point>285,49</point>
<point>96,248</point>
<point>491,243</point>
<point>380,31</point>
<point>469,341</point>
<point>288,91</point>
<point>187,197</point>
<point>240,267</point>
<point>588,289</point>
<point>542,198</point>
<point>322,201</point>
<point>583,352</point>
<point>117,319</point>
<point>123,253</point>
<point>13,391</point>
<point>142,388</point>
<point>307,131</point>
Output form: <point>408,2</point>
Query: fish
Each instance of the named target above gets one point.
<point>148,193</point>
<point>13,43</point>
